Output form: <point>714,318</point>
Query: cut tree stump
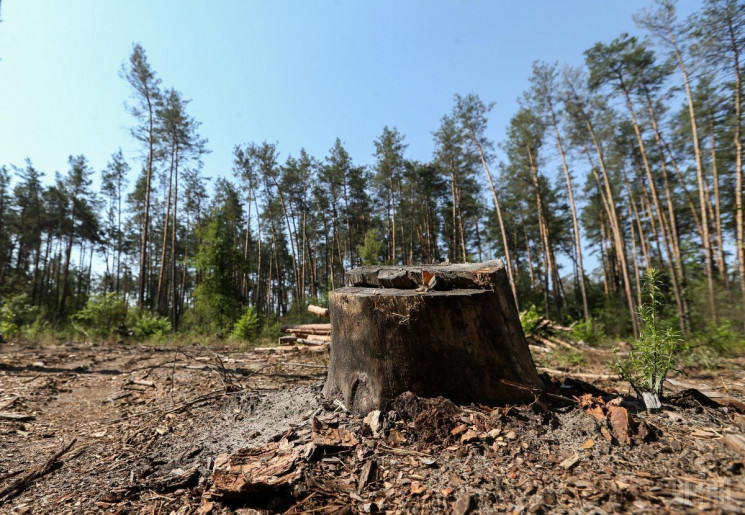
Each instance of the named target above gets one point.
<point>450,330</point>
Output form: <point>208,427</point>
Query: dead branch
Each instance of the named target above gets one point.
<point>21,483</point>
<point>581,375</point>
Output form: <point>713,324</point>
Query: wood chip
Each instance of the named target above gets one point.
<point>570,462</point>
<point>736,442</point>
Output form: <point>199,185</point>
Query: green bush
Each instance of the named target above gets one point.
<point>272,330</point>
<point>145,324</point>
<point>529,319</point>
<point>247,326</point>
<point>590,332</point>
<point>721,337</point>
<point>102,316</point>
<point>658,349</point>
<point>16,313</point>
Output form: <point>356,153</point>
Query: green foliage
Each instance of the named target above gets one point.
<point>272,330</point>
<point>219,261</point>
<point>529,319</point>
<point>372,248</point>
<point>16,313</point>
<point>657,349</point>
<point>722,337</point>
<point>247,326</point>
<point>144,324</point>
<point>590,332</point>
<point>564,357</point>
<point>102,316</point>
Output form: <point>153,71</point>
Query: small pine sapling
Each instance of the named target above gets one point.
<point>656,351</point>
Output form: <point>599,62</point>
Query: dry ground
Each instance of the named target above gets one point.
<point>149,423</point>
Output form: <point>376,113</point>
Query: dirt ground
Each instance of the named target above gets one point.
<point>158,430</point>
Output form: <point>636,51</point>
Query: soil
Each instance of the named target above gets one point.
<point>155,426</point>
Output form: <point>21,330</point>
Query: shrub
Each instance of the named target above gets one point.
<point>102,316</point>
<point>721,337</point>
<point>272,330</point>
<point>145,324</point>
<point>247,326</point>
<point>529,319</point>
<point>568,358</point>
<point>15,314</point>
<point>590,332</point>
<point>657,349</point>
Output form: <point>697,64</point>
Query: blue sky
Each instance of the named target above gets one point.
<point>300,73</point>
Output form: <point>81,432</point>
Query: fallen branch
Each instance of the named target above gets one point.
<point>6,415</point>
<point>581,375</point>
<point>307,365</point>
<point>21,483</point>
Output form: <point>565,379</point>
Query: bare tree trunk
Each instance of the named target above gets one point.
<point>174,227</point>
<point>614,226</point>
<point>502,230</point>
<point>699,170</point>
<point>573,209</point>
<point>527,248</point>
<point>664,226</point>
<point>146,218</point>
<point>721,262</point>
<point>166,217</point>
<point>677,258</point>
<point>604,256</point>
<point>739,232</point>
<point>543,230</point>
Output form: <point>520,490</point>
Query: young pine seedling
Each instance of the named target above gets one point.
<point>656,351</point>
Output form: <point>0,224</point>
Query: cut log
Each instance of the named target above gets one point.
<point>307,329</point>
<point>464,343</point>
<point>318,310</point>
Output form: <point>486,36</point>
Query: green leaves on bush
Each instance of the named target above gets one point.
<point>657,349</point>
<point>102,316</point>
<point>247,326</point>
<point>529,319</point>
<point>16,313</point>
<point>108,315</point>
<point>591,332</point>
<point>145,324</point>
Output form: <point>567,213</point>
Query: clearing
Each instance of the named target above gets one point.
<point>150,425</point>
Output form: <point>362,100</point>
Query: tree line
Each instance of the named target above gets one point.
<point>632,161</point>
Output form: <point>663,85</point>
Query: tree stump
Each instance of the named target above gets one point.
<point>450,330</point>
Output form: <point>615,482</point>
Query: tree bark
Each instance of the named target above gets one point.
<point>465,343</point>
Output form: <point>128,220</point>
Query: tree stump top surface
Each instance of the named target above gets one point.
<point>366,291</point>
<point>446,276</point>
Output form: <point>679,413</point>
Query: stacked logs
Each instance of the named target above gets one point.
<point>308,334</point>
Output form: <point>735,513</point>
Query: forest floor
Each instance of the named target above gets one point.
<point>158,430</point>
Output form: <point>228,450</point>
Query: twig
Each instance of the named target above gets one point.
<point>307,365</point>
<point>582,375</point>
<point>21,483</point>
<point>9,403</point>
<point>299,503</point>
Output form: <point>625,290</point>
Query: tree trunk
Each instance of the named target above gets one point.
<point>502,230</point>
<point>572,207</point>
<point>464,343</point>
<point>146,218</point>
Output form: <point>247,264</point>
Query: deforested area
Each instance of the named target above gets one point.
<point>372,257</point>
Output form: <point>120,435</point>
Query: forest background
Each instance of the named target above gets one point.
<point>631,161</point>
